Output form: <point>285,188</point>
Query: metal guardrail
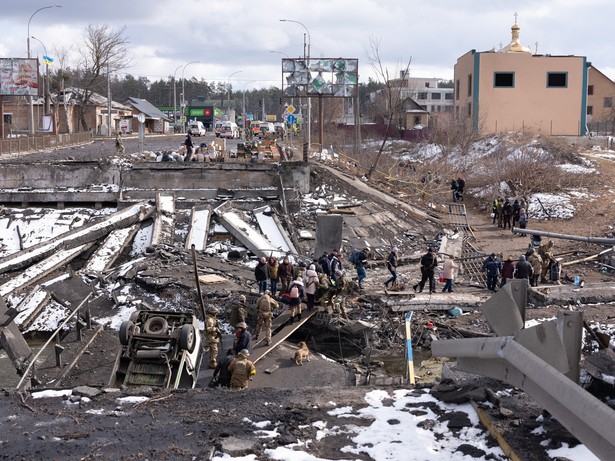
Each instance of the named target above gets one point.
<point>40,142</point>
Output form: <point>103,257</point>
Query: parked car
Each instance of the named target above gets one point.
<point>197,128</point>
<point>160,349</point>
<point>229,130</point>
<point>265,130</point>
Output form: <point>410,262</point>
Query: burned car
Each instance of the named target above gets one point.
<point>160,349</point>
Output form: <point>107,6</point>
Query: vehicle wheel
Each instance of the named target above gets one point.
<point>127,328</point>
<point>187,338</point>
<point>156,326</point>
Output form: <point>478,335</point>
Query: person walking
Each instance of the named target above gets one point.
<point>325,263</point>
<point>212,335</point>
<point>428,262</point>
<point>311,285</point>
<point>361,261</point>
<point>454,188</point>
<point>189,146</point>
<point>285,274</point>
<point>449,270</point>
<point>243,338</point>
<point>239,311</point>
<point>516,212</point>
<point>508,270</point>
<point>392,267</point>
<point>264,311</point>
<point>336,265</point>
<point>273,274</point>
<point>492,267</point>
<point>507,211</point>
<point>536,261</point>
<point>119,145</point>
<point>524,269</point>
<point>260,274</point>
<point>242,370</point>
<point>297,293</point>
<point>546,253</point>
<point>522,220</point>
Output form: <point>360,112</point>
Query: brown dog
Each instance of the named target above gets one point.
<point>303,353</point>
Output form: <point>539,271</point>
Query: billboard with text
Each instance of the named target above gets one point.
<point>19,76</point>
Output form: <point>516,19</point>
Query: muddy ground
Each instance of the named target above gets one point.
<point>190,424</point>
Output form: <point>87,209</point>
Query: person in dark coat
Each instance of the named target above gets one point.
<point>285,274</point>
<point>508,270</point>
<point>189,146</point>
<point>243,338</point>
<point>492,267</point>
<point>261,275</point>
<point>221,372</point>
<point>335,265</point>
<point>524,269</point>
<point>516,209</point>
<point>325,264</point>
<point>507,211</point>
<point>392,267</point>
<point>429,262</point>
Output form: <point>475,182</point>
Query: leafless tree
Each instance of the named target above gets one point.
<point>61,76</point>
<point>103,51</point>
<point>393,94</point>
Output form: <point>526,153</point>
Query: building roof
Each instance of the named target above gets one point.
<point>146,108</point>
<point>72,95</point>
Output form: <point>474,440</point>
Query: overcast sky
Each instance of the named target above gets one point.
<point>228,36</point>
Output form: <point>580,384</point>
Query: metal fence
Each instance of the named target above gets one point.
<point>40,142</point>
<point>605,128</point>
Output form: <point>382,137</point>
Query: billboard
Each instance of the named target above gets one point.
<point>19,76</point>
<point>332,77</point>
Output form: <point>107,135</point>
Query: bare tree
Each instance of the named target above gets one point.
<point>103,51</point>
<point>62,75</point>
<point>393,94</point>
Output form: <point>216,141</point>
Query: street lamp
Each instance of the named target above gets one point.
<point>31,98</point>
<point>183,103</point>
<point>245,117</point>
<point>175,99</point>
<point>228,84</point>
<point>46,79</point>
<point>309,108</point>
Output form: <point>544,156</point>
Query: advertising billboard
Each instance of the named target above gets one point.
<point>19,76</point>
<point>332,77</point>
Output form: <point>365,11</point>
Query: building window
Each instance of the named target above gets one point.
<point>457,89</point>
<point>608,102</point>
<point>469,109</point>
<point>448,96</point>
<point>422,95</point>
<point>504,79</point>
<point>557,79</point>
<point>590,110</point>
<point>426,84</point>
<point>470,85</point>
<point>436,95</point>
<point>590,90</point>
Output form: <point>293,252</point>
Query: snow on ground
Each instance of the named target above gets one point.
<point>404,425</point>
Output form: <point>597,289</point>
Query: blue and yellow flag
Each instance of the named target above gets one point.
<point>47,60</point>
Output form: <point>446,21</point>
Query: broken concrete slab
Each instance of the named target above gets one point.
<point>111,248</point>
<point>199,228</point>
<point>164,225</point>
<point>273,230</point>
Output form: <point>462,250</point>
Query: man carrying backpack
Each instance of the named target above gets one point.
<point>461,184</point>
<point>359,259</point>
<point>392,267</point>
<point>429,262</point>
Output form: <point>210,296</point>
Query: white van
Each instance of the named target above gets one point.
<point>229,130</point>
<point>197,128</point>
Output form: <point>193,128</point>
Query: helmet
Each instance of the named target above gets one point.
<point>242,325</point>
<point>245,353</point>
<point>242,298</point>
<point>213,311</point>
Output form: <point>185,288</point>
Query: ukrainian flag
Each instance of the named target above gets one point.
<point>47,60</point>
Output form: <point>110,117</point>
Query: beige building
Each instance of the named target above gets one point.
<point>600,97</point>
<point>512,89</point>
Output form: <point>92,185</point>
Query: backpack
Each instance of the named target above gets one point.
<point>461,183</point>
<point>355,257</point>
<point>294,292</point>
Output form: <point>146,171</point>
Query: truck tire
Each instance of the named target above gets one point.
<point>126,330</point>
<point>187,338</point>
<point>156,326</point>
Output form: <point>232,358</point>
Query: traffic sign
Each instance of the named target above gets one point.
<point>291,119</point>
<point>141,118</point>
<point>291,109</point>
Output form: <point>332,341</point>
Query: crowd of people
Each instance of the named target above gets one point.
<point>536,266</point>
<point>509,215</point>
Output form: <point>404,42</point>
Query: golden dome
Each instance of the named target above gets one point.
<point>515,45</point>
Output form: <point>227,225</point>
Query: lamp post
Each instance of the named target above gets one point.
<point>308,135</point>
<point>183,103</point>
<point>175,99</point>
<point>245,117</point>
<point>28,44</point>
<point>46,79</point>
<point>228,92</point>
